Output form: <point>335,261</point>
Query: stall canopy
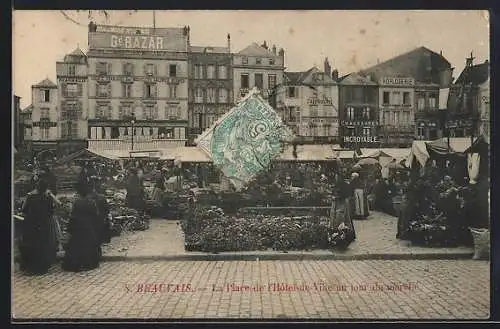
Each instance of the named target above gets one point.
<point>191,154</point>
<point>419,152</point>
<point>480,146</point>
<point>308,153</point>
<point>456,145</point>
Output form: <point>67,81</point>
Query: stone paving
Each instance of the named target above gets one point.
<point>372,289</point>
<point>376,235</point>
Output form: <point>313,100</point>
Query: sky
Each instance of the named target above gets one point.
<point>352,40</point>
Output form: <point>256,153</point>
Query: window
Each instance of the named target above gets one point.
<point>367,131</point>
<point>350,113</point>
<point>386,98</point>
<point>421,103</point>
<point>244,60</point>
<point>103,112</point>
<point>150,90</point>
<point>45,95</point>
<point>211,119</point>
<point>357,94</point>
<point>223,95</point>
<point>198,95</point>
<point>128,69</point>
<point>387,118</point>
<point>396,98</point>
<point>420,133</point>
<point>172,90</point>
<point>259,80</point>
<point>125,112</point>
<point>72,70</point>
<point>102,90</point>
<point>127,90</point>
<point>396,118</point>
<point>258,61</point>
<point>271,61</point>
<point>406,98</point>
<point>366,113</point>
<point>44,113</point>
<point>150,69</point>
<point>292,92</point>
<point>172,70</point>
<point>351,131</point>
<point>173,112</point>
<point>101,68</point>
<point>210,72</point>
<point>245,83</point>
<point>149,112</point>
<point>222,72</point>
<point>211,95</point>
<point>271,81</point>
<point>198,72</point>
<point>71,90</point>
<point>44,133</point>
<point>432,102</point>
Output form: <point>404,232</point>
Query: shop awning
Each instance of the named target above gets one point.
<point>455,145</point>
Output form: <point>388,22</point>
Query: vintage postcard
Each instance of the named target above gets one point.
<point>250,165</point>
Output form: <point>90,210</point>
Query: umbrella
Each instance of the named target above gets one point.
<point>367,161</point>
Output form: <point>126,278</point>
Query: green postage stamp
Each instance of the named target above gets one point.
<point>244,141</point>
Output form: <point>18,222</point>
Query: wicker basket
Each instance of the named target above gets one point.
<point>481,239</point>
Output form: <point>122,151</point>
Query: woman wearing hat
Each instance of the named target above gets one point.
<point>360,201</point>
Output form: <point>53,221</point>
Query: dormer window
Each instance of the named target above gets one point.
<point>138,32</point>
<point>244,60</point>
<point>271,61</point>
<point>258,61</point>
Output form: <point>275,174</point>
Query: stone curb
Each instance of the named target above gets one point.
<point>289,257</point>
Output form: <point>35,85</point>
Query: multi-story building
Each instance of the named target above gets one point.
<point>358,111</point>
<point>210,86</point>
<point>17,122</point>
<point>138,87</point>
<point>308,103</point>
<point>463,117</point>
<point>257,67</point>
<point>44,116</point>
<point>27,125</point>
<point>72,81</point>
<point>409,87</point>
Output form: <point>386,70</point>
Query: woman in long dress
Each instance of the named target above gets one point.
<point>102,224</point>
<point>82,250</point>
<point>135,192</point>
<point>342,210</point>
<point>360,199</point>
<point>38,247</point>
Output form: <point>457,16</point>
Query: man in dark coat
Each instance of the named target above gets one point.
<point>102,224</point>
<point>135,191</point>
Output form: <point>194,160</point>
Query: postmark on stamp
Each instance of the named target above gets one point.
<point>246,139</point>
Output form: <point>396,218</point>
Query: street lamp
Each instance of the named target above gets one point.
<point>132,122</point>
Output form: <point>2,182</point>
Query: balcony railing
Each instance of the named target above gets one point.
<point>123,144</point>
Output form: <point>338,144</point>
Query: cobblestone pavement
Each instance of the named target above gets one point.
<point>376,235</point>
<point>322,289</point>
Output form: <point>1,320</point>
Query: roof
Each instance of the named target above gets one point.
<point>357,79</point>
<point>422,64</point>
<point>209,49</point>
<point>77,52</point>
<point>475,75</point>
<point>258,51</point>
<point>27,109</point>
<point>46,83</point>
<point>296,78</point>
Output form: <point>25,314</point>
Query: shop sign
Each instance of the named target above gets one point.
<point>122,30</point>
<point>136,42</point>
<point>359,123</point>
<point>361,139</point>
<point>391,81</point>
<point>314,101</point>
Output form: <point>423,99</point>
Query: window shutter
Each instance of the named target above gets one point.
<point>178,114</point>
<point>63,131</point>
<point>144,90</point>
<point>108,70</point>
<point>109,89</point>
<point>79,88</point>
<point>145,69</point>
<point>132,68</point>
<point>155,69</point>
<point>155,89</point>
<point>155,112</point>
<point>64,89</point>
<point>97,89</point>
<point>120,112</point>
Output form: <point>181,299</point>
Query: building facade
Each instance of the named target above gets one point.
<point>137,87</point>
<point>308,103</point>
<point>396,111</point>
<point>210,86</point>
<point>44,116</point>
<point>410,85</point>
<point>358,112</point>
<point>27,124</point>
<point>484,109</point>
<point>72,81</point>
<point>463,117</point>
<point>257,67</point>
<point>17,122</point>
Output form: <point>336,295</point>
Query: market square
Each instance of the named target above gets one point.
<point>155,178</point>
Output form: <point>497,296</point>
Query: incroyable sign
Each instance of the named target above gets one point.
<point>397,81</point>
<point>359,123</point>
<point>318,101</point>
<point>361,139</point>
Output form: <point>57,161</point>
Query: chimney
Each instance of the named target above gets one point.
<point>274,49</point>
<point>441,53</point>
<point>92,27</point>
<point>469,61</point>
<point>335,75</point>
<point>282,52</point>
<point>264,45</point>
<point>229,42</point>
<point>328,69</point>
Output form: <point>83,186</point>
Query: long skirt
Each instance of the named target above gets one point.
<point>341,214</point>
<point>405,215</point>
<point>360,204</point>
<point>82,252</point>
